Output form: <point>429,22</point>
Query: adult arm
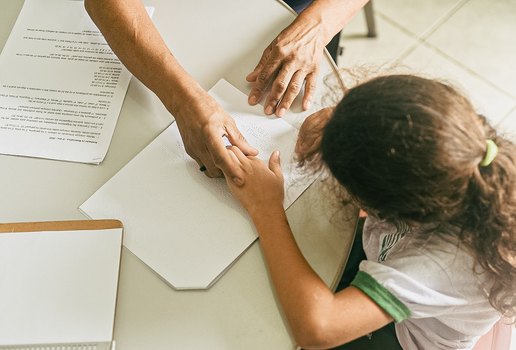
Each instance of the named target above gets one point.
<point>201,121</point>
<point>318,318</point>
<point>293,57</point>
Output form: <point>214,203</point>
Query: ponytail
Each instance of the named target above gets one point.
<point>489,223</point>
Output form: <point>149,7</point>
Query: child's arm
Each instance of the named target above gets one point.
<point>317,317</point>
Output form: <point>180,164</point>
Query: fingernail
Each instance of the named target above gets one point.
<point>269,110</point>
<point>307,105</point>
<point>238,181</point>
<point>281,112</point>
<point>252,100</point>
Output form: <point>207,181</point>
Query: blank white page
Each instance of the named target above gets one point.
<point>185,226</point>
<point>58,286</point>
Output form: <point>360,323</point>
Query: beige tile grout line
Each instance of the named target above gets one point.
<point>469,70</point>
<point>421,40</point>
<point>512,110</point>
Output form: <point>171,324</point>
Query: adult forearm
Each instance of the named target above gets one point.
<point>200,119</point>
<point>332,15</point>
<point>135,40</point>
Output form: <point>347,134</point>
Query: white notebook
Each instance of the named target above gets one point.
<point>185,226</point>
<point>59,284</point>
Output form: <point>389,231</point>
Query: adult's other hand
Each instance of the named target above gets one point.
<point>291,60</point>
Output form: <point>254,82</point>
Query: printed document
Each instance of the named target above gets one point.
<point>61,86</point>
<point>185,226</point>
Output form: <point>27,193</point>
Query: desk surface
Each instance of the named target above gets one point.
<point>240,311</point>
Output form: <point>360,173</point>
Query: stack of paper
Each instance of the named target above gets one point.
<point>58,282</point>
<point>61,86</point>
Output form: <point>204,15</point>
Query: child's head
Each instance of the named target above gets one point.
<point>410,149</point>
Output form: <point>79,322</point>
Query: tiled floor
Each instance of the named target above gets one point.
<point>469,43</point>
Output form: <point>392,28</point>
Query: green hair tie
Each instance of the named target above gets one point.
<point>491,152</point>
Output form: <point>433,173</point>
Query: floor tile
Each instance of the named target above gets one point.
<point>387,47</point>
<point>415,16</point>
<point>480,35</point>
<point>507,127</point>
<point>487,99</point>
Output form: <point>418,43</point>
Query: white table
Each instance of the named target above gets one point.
<point>213,40</point>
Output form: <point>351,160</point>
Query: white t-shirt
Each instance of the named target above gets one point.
<point>427,284</point>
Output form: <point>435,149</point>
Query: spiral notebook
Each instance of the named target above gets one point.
<point>58,284</point>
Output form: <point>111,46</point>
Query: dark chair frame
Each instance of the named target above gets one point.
<point>334,47</point>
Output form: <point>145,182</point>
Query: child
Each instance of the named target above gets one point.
<point>439,186</point>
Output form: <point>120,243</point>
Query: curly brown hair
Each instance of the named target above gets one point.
<point>409,148</point>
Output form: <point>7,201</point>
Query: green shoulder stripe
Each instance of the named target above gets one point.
<point>381,296</point>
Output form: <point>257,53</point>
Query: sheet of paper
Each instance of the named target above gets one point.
<point>73,346</point>
<point>185,226</point>
<point>61,86</point>
<point>58,286</point>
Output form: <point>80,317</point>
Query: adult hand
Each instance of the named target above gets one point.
<point>310,133</point>
<point>201,121</point>
<point>289,61</point>
<point>203,124</point>
<point>263,191</point>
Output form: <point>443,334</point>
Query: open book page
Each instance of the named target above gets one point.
<point>185,226</point>
<point>61,86</point>
<point>58,286</point>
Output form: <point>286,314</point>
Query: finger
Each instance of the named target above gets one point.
<point>264,77</point>
<point>236,138</point>
<point>196,158</point>
<point>211,168</point>
<point>244,161</point>
<point>240,156</point>
<point>309,144</point>
<point>233,155</point>
<point>204,162</point>
<point>310,85</point>
<point>306,131</point>
<point>279,86</point>
<point>311,131</point>
<point>223,160</point>
<point>275,164</point>
<point>251,77</point>
<point>301,142</point>
<point>294,88</point>
<point>234,159</point>
<point>256,94</point>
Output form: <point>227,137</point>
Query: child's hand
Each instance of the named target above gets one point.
<point>262,192</point>
<point>311,132</point>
